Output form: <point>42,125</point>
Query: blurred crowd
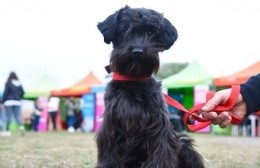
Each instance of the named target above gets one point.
<point>45,116</point>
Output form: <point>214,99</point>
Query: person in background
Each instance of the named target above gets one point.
<point>36,115</point>
<point>71,113</point>
<point>79,120</point>
<point>247,103</point>
<point>13,93</point>
<point>1,115</point>
<point>53,108</point>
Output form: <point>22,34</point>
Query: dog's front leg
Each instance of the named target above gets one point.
<point>158,163</point>
<point>163,154</point>
<point>108,161</point>
<point>106,154</point>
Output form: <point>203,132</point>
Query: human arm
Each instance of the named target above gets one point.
<point>6,92</point>
<point>247,103</point>
<point>250,92</point>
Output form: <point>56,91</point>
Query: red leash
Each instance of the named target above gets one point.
<point>202,123</point>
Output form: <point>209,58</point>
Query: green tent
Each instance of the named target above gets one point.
<point>190,76</point>
<point>40,88</point>
<point>184,81</point>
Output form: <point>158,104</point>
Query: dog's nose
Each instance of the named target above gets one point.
<point>138,51</point>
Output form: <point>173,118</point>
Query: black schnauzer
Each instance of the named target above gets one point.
<point>136,132</point>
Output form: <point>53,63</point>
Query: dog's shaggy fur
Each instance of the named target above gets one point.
<point>136,132</point>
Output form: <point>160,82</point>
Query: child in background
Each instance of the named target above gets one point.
<point>71,113</point>
<point>36,114</point>
<point>53,108</point>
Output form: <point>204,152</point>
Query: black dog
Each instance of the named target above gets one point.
<point>136,132</point>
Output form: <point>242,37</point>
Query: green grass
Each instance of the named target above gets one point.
<point>55,150</point>
<point>64,150</point>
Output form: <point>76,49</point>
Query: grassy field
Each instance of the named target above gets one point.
<point>64,150</point>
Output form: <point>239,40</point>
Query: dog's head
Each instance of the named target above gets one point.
<point>138,35</point>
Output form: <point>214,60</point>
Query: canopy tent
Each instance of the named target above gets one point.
<point>184,81</point>
<point>80,88</point>
<point>238,77</point>
<point>41,88</point>
<point>190,76</point>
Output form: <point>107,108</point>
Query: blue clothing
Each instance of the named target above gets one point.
<point>36,116</point>
<point>16,112</point>
<point>71,120</point>
<point>53,116</point>
<point>36,122</point>
<point>250,92</point>
<point>12,92</point>
<point>1,118</point>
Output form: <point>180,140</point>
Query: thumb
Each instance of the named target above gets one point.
<point>217,99</point>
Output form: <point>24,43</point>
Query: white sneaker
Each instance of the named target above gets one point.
<point>6,134</point>
<point>71,129</point>
<point>22,130</point>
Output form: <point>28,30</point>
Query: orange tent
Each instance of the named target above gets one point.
<point>239,77</point>
<point>78,89</point>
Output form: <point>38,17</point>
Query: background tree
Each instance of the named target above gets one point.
<point>169,69</point>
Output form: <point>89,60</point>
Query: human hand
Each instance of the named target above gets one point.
<point>223,119</point>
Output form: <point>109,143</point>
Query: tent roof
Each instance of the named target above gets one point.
<point>80,88</point>
<point>40,88</point>
<point>238,77</point>
<point>191,75</point>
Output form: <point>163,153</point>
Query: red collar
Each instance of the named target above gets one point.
<point>117,76</point>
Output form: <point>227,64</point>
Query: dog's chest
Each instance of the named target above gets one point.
<point>132,105</point>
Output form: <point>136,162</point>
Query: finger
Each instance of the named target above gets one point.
<point>224,116</point>
<point>211,104</point>
<point>218,98</point>
<point>225,123</point>
<point>209,115</point>
<point>225,119</point>
<point>215,121</point>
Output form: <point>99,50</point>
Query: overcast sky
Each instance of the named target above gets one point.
<point>59,38</point>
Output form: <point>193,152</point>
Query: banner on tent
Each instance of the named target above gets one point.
<point>100,108</point>
<point>42,127</point>
<point>88,110</point>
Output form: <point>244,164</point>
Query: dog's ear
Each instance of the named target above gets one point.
<point>168,33</point>
<point>109,26</point>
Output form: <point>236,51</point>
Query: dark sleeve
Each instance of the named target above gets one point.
<point>250,92</point>
<point>6,90</point>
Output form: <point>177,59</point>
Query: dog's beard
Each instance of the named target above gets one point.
<point>126,63</point>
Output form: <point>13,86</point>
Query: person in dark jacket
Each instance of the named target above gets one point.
<point>247,103</point>
<point>13,93</point>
